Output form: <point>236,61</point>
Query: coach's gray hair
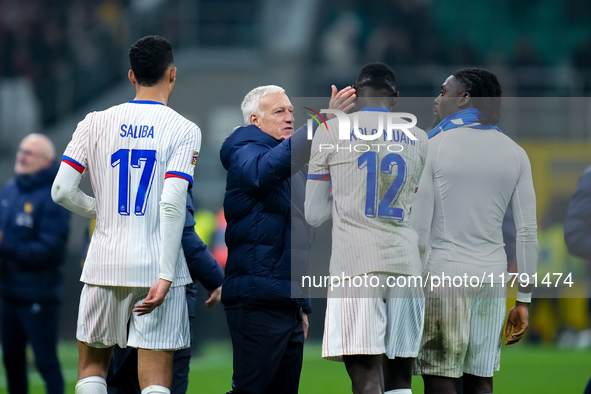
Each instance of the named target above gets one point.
<point>47,147</point>
<point>251,102</point>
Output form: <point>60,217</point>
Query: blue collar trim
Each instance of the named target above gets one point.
<point>464,118</point>
<point>145,102</point>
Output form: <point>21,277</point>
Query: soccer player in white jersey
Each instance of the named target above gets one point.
<point>140,157</point>
<point>374,330</point>
<point>473,172</point>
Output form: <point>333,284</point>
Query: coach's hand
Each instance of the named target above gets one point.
<point>343,100</point>
<point>214,297</point>
<point>305,324</point>
<point>155,297</point>
<point>517,321</point>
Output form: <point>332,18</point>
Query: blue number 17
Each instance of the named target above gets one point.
<point>385,209</point>
<point>138,156</point>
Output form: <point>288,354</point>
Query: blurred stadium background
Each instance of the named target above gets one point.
<point>60,59</point>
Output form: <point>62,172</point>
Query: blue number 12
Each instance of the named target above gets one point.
<point>138,156</point>
<point>385,209</point>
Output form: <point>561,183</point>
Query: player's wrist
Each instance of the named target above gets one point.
<point>523,298</point>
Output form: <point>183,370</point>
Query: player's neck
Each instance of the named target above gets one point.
<point>152,93</point>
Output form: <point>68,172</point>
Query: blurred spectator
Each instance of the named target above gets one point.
<point>402,34</point>
<point>392,45</point>
<point>218,244</point>
<point>342,38</point>
<point>525,55</point>
<point>578,11</point>
<point>20,113</point>
<point>33,235</point>
<point>65,48</point>
<point>577,225</point>
<point>205,224</point>
<point>558,315</point>
<point>581,60</point>
<point>462,53</point>
<point>529,68</point>
<point>50,50</point>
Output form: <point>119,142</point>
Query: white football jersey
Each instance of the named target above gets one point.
<point>373,184</point>
<point>470,178</point>
<point>129,150</point>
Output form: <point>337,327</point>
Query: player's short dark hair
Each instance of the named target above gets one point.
<point>485,90</point>
<point>149,58</point>
<point>377,75</point>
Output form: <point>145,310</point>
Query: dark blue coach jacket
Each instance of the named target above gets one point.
<point>258,209</point>
<point>35,232</point>
<point>577,225</point>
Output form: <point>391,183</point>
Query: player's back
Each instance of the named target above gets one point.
<point>475,173</point>
<point>373,184</point>
<point>131,148</point>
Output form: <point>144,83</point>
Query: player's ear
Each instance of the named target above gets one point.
<point>394,100</point>
<point>172,75</point>
<point>465,100</point>
<point>131,77</point>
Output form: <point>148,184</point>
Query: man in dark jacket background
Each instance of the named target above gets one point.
<point>33,236</point>
<point>577,226</point>
<point>264,205</point>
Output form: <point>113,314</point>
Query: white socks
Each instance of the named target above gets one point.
<point>91,385</point>
<point>154,389</point>
<point>98,385</point>
<point>399,391</point>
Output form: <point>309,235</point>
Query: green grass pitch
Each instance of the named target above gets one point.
<point>524,369</point>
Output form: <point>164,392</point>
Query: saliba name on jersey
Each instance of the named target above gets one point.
<point>141,131</point>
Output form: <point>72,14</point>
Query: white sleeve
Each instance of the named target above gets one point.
<point>76,153</point>
<point>182,162</point>
<point>523,203</point>
<point>318,204</point>
<point>423,207</point>
<point>172,219</point>
<point>66,193</point>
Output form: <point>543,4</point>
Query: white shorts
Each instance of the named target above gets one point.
<point>381,320</point>
<point>463,331</point>
<point>105,311</point>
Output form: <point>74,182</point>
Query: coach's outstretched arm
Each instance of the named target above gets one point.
<point>172,220</point>
<point>66,193</point>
